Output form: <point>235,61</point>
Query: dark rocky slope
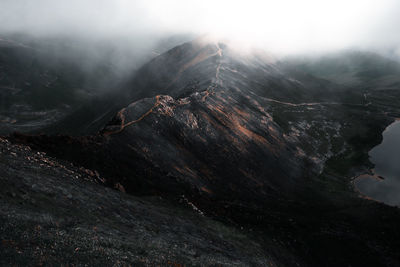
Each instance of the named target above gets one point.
<point>254,144</point>
<point>53,213</point>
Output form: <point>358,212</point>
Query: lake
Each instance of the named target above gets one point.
<point>384,184</point>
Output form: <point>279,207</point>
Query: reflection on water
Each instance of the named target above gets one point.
<point>386,158</point>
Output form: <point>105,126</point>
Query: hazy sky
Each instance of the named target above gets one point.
<point>281,25</point>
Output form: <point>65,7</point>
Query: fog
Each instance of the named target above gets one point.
<point>283,26</point>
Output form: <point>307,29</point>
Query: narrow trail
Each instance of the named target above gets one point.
<point>156,104</point>
<point>311,103</point>
<point>208,92</point>
<point>217,80</point>
<point>301,104</point>
<point>219,52</point>
<point>199,58</point>
<point>121,115</point>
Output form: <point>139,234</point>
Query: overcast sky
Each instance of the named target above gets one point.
<point>281,25</point>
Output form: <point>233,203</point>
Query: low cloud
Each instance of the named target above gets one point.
<point>283,26</point>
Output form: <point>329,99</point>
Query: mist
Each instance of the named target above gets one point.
<point>278,26</point>
<point>110,40</point>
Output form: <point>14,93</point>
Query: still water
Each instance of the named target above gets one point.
<point>384,185</point>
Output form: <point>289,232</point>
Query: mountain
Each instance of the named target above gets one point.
<point>351,67</point>
<point>42,83</point>
<point>65,84</point>
<point>258,143</point>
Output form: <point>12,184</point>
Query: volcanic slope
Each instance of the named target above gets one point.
<point>54,213</point>
<point>250,143</point>
<point>199,124</point>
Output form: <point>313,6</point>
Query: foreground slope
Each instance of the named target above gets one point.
<point>53,213</point>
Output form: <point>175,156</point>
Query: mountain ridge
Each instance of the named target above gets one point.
<point>250,144</point>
